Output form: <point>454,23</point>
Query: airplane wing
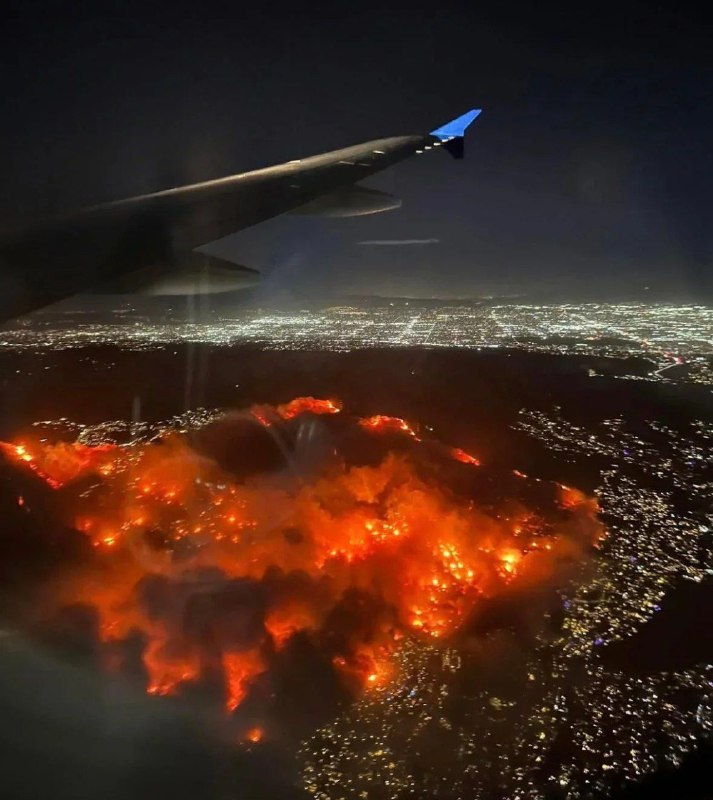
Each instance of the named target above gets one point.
<point>146,244</point>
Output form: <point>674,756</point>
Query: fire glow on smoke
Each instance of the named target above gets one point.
<point>355,556</point>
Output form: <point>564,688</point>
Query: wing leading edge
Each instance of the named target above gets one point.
<point>47,260</point>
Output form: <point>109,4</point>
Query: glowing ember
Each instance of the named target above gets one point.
<point>254,735</point>
<point>217,576</point>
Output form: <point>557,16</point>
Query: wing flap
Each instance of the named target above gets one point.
<point>197,274</point>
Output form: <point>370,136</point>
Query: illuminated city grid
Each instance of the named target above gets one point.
<point>674,336</point>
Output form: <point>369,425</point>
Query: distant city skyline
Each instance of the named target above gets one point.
<point>678,339</point>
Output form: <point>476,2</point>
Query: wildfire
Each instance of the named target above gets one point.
<point>269,415</point>
<point>463,457</point>
<point>240,669</point>
<point>308,405</point>
<point>60,463</point>
<point>380,676</point>
<point>220,575</point>
<point>571,498</point>
<point>167,670</point>
<point>380,423</point>
<point>510,559</point>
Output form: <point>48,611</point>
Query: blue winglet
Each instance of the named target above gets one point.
<point>457,126</point>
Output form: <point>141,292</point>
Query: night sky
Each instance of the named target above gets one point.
<point>589,172</point>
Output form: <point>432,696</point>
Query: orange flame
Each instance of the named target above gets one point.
<point>268,415</point>
<point>465,458</point>
<point>308,405</point>
<point>167,671</point>
<point>383,531</point>
<point>240,670</point>
<point>380,423</point>
<point>60,463</point>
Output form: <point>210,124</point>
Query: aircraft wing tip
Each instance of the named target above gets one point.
<point>456,127</point>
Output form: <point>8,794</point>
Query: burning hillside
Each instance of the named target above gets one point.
<point>212,576</point>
